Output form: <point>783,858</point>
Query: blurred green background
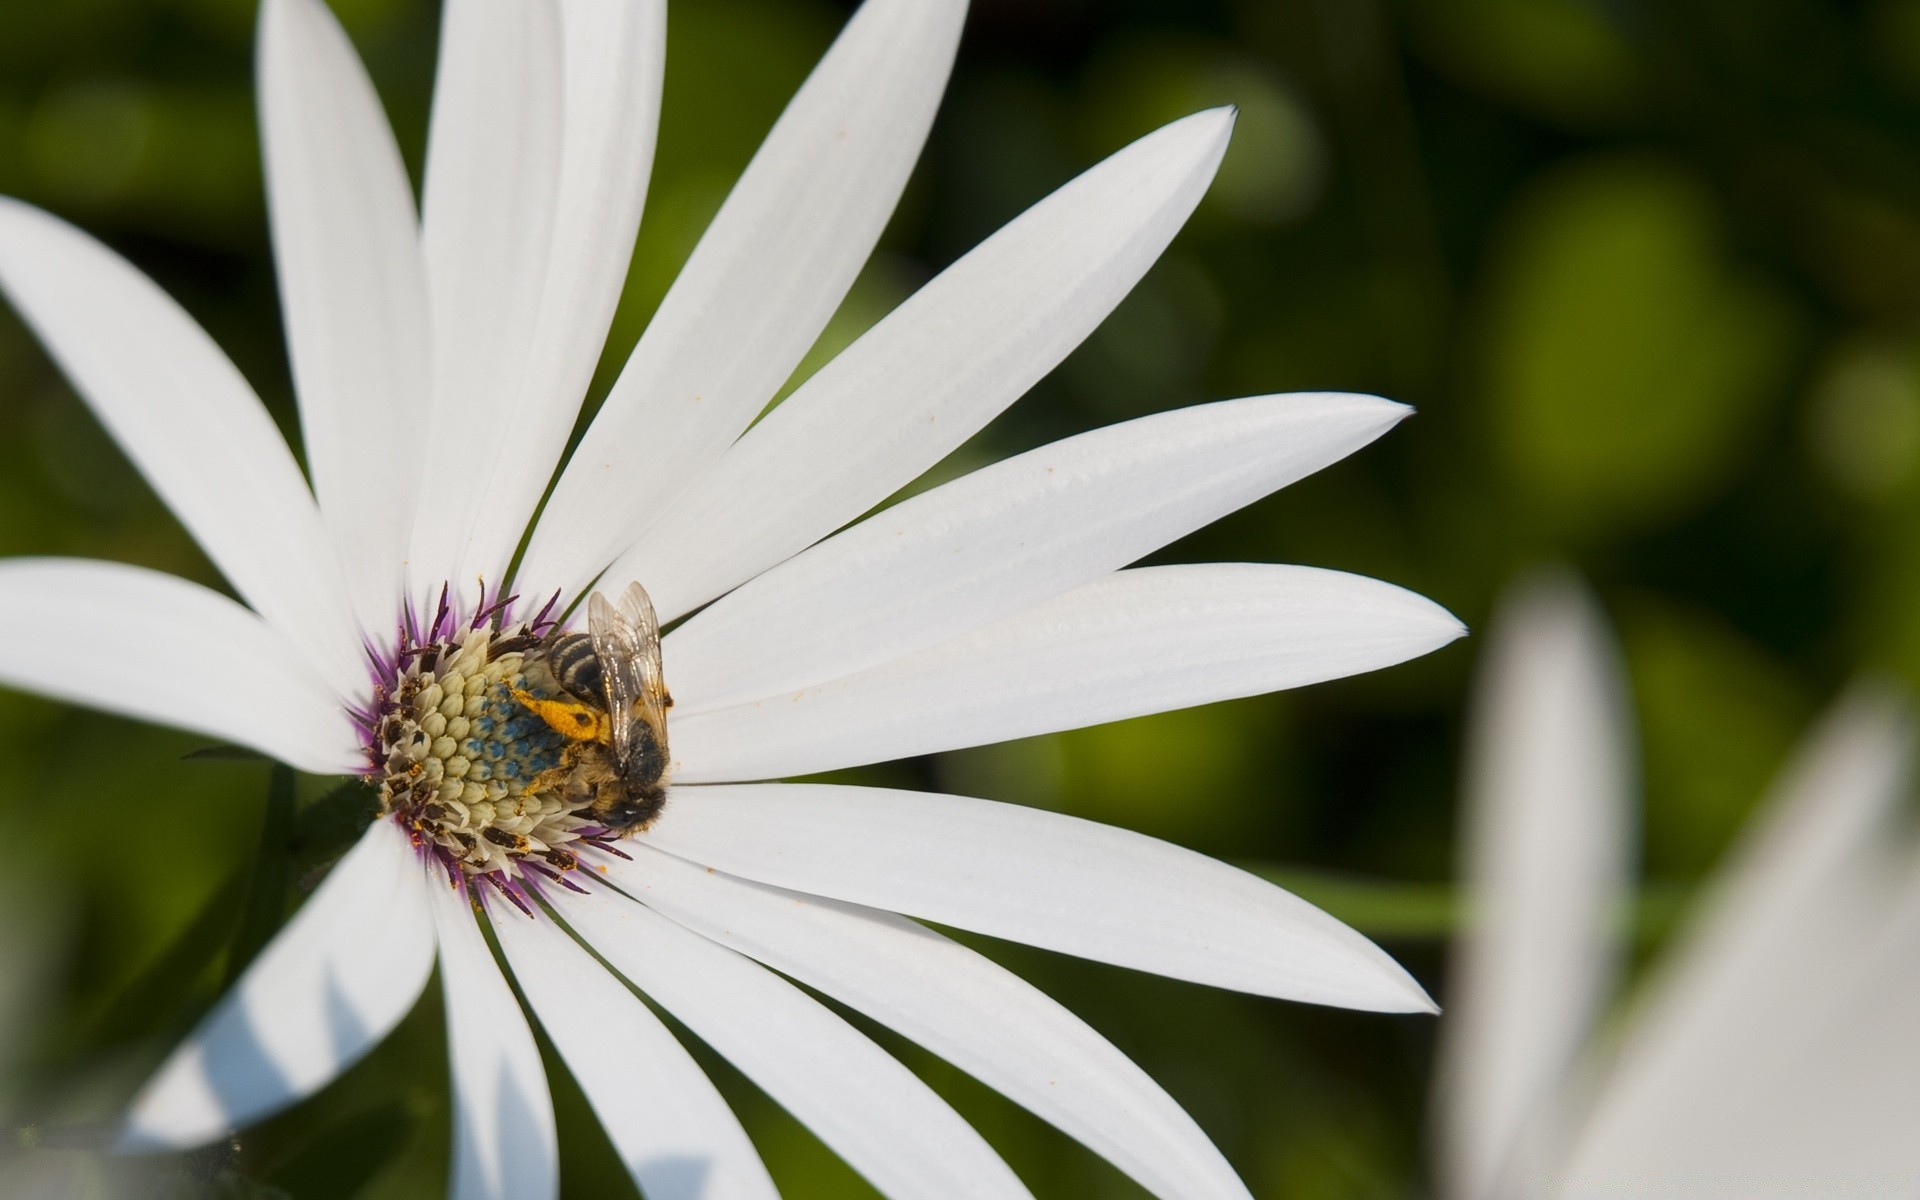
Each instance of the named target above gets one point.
<point>1650,272</point>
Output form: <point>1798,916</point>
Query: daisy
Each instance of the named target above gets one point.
<point>1772,1051</point>
<point>392,627</point>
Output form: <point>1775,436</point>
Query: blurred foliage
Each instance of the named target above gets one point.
<point>1627,369</point>
<point>1651,272</point>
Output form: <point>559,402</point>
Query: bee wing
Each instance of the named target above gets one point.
<point>637,609</point>
<point>627,642</point>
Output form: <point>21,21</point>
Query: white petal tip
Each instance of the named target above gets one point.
<point>1387,413</point>
<point>1204,135</point>
<point>179,1109</point>
<point>275,26</point>
<point>142,1135</point>
<point>1224,117</point>
<point>1428,625</point>
<point>1395,991</point>
<point>137,1141</point>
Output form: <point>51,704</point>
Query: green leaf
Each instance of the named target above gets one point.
<point>161,995</point>
<point>226,753</point>
<point>329,826</point>
<point>271,880</point>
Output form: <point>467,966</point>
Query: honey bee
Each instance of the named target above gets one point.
<point>614,715</point>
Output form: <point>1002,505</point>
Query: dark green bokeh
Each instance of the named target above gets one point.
<point>1650,271</point>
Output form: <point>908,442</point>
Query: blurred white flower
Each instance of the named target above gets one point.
<point>1771,1051</point>
<point>440,363</point>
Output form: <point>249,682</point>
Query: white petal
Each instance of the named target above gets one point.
<point>861,1102</point>
<point>676,1135</point>
<point>330,985</point>
<point>145,644</point>
<point>1037,877</point>
<point>1798,904</point>
<point>760,286</point>
<point>353,288</point>
<point>1822,1104</point>
<point>1550,799</point>
<point>933,373</point>
<point>187,419</point>
<point>1136,642</point>
<point>493,160</point>
<point>504,1145</point>
<point>614,53</point>
<point>965,1008</point>
<point>1836,1115</point>
<point>1005,538</point>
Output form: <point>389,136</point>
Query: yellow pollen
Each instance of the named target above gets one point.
<point>569,718</point>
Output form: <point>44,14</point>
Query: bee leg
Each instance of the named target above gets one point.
<point>579,791</point>
<point>556,779</point>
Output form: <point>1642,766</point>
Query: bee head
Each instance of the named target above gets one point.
<point>622,814</point>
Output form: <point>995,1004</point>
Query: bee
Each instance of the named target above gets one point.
<point>614,714</point>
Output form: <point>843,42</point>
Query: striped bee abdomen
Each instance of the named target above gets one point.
<point>577,668</point>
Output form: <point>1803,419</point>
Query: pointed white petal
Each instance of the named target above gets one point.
<point>493,160</point>
<point>352,286</point>
<point>931,374</point>
<point>861,1102</point>
<point>1799,903</point>
<point>504,1146</point>
<point>760,286</point>
<point>1036,877</point>
<point>1822,1102</point>
<point>145,644</point>
<point>1136,642</point>
<point>1005,538</point>
<point>614,52</point>
<point>330,985</point>
<point>193,426</point>
<point>975,1014</point>
<point>668,1122</point>
<point>1836,1113</point>
<point>1550,797</point>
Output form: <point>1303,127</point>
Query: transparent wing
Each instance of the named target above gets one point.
<point>636,607</point>
<point>616,645</point>
<point>627,642</point>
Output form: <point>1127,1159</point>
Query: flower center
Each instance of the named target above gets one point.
<point>467,764</point>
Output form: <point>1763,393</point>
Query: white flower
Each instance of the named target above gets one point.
<point>1773,1051</point>
<point>440,364</point>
